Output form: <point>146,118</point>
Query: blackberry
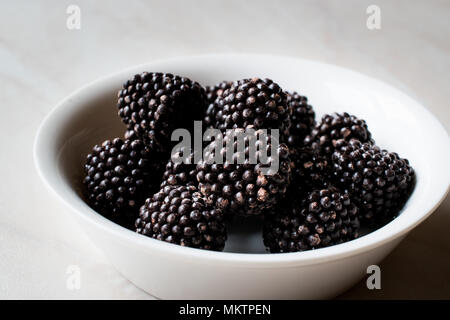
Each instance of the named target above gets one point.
<point>311,170</point>
<point>337,126</point>
<point>119,176</point>
<point>241,187</point>
<point>180,215</point>
<point>154,104</point>
<point>379,181</point>
<point>302,119</point>
<point>256,103</point>
<point>318,219</point>
<point>212,92</point>
<point>179,173</point>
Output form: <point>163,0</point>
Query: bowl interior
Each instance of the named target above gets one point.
<point>397,123</point>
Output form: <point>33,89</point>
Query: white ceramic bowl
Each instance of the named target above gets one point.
<point>245,271</point>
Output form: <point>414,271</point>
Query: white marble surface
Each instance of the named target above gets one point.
<point>42,61</point>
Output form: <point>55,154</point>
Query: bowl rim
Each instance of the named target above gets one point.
<point>387,233</point>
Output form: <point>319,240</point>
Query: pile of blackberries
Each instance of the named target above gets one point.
<point>332,179</point>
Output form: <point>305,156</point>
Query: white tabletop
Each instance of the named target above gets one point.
<point>42,61</point>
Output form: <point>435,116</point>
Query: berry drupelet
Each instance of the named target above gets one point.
<point>180,215</point>
<point>119,176</point>
<point>318,219</point>
<point>337,126</point>
<point>154,104</point>
<point>379,181</point>
<point>130,134</point>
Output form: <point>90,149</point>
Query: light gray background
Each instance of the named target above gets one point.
<point>42,61</point>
